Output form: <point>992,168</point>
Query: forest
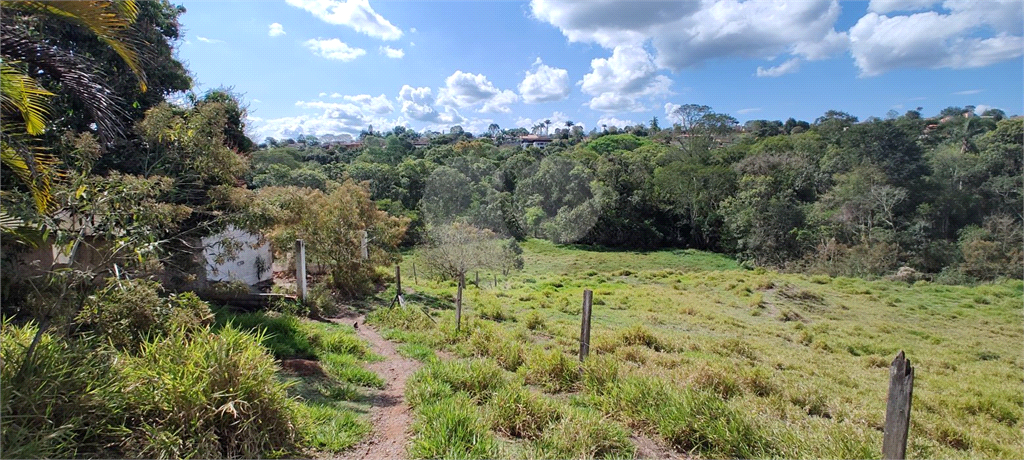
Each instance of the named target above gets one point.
<point>115,167</point>
<point>839,196</point>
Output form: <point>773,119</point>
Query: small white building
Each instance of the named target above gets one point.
<point>237,255</point>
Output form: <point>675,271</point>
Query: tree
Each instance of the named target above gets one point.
<point>454,249</point>
<point>29,60</point>
<point>331,224</point>
<point>493,130</point>
<point>654,125</point>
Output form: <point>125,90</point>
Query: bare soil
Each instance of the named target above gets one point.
<point>389,413</point>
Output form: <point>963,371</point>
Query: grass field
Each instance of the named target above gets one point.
<point>709,358</point>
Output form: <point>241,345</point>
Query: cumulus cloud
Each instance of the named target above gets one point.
<point>333,49</point>
<point>789,66</point>
<point>558,120</point>
<point>466,89</point>
<point>392,53</point>
<point>356,14</point>
<point>333,95</point>
<point>209,40</point>
<point>888,6</point>
<point>276,30</point>
<point>616,122</point>
<point>418,104</point>
<point>972,34</point>
<point>688,34</point>
<point>544,84</point>
<point>619,81</point>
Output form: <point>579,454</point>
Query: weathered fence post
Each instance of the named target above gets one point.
<point>897,408</point>
<point>364,245</point>
<point>398,279</point>
<point>477,280</point>
<point>495,280</point>
<point>588,297</point>
<point>458,302</point>
<point>300,270</point>
<point>415,279</point>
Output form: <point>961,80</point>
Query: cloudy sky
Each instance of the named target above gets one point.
<point>332,67</point>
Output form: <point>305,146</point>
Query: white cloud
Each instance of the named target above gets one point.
<point>391,52</point>
<point>412,30</point>
<point>209,40</point>
<point>619,81</point>
<point>670,111</point>
<point>256,101</point>
<point>558,120</point>
<point>418,104</point>
<point>888,6</point>
<point>334,95</point>
<point>981,108</point>
<point>379,105</point>
<point>356,14</point>
<point>466,89</point>
<point>322,94</point>
<point>967,92</point>
<point>334,49</point>
<point>276,30</point>
<point>789,66</point>
<point>616,122</point>
<point>748,110</point>
<point>544,84</point>
<point>972,34</point>
<point>687,34</point>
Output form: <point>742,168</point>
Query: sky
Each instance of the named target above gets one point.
<point>317,67</point>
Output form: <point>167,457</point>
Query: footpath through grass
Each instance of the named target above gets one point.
<point>713,360</point>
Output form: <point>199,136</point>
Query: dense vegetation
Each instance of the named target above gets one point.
<point>940,195</point>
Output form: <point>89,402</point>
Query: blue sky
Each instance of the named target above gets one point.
<point>334,67</point>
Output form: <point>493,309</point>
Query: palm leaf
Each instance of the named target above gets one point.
<point>19,93</point>
<point>109,21</point>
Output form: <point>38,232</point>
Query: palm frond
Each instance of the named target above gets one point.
<point>74,73</point>
<point>110,21</point>
<point>20,94</point>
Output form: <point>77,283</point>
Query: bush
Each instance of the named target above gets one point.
<point>206,395</point>
<point>126,312</point>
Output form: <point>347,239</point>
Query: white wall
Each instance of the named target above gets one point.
<point>244,264</point>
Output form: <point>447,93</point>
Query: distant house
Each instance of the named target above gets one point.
<point>420,143</point>
<point>350,145</point>
<point>534,141</point>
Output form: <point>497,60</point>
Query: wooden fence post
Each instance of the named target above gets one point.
<point>495,280</point>
<point>897,408</point>
<point>364,245</point>
<point>477,280</point>
<point>415,279</point>
<point>398,279</point>
<point>300,270</point>
<point>588,297</point>
<point>458,302</point>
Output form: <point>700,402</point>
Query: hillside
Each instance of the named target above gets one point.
<point>706,359</point>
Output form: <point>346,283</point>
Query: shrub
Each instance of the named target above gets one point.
<point>492,342</point>
<point>451,428</point>
<point>206,395</point>
<point>534,321</point>
<point>126,312</point>
<point>599,372</point>
<point>516,412</point>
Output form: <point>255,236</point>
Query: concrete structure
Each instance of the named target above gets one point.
<point>237,255</point>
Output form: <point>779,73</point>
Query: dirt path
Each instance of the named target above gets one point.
<point>389,412</point>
